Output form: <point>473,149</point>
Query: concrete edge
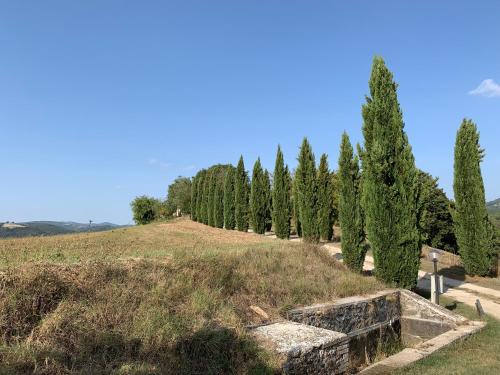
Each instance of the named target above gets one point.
<point>455,318</point>
<point>342,301</point>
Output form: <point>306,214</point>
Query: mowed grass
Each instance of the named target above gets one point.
<point>477,355</point>
<point>158,299</point>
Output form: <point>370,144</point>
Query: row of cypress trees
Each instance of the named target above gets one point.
<point>223,196</point>
<point>378,193</point>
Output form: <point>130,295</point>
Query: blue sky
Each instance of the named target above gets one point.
<point>101,101</point>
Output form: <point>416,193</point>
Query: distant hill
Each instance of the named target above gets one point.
<point>50,228</point>
<point>493,206</point>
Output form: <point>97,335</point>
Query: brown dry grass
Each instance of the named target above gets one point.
<point>162,298</point>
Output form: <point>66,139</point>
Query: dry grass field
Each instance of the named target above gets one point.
<point>157,299</point>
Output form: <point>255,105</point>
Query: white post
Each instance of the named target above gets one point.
<point>441,284</point>
<point>434,290</point>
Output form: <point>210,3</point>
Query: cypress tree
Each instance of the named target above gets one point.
<point>295,206</point>
<point>335,197</point>
<point>194,192</point>
<point>390,184</point>
<point>325,200</point>
<point>229,219</point>
<point>258,199</point>
<point>472,227</point>
<point>211,198</point>
<point>281,198</point>
<point>269,201</point>
<point>241,192</point>
<point>219,197</point>
<point>204,203</point>
<point>350,215</point>
<point>199,195</point>
<point>307,192</point>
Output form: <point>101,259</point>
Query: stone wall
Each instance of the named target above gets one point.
<point>305,349</point>
<point>351,315</point>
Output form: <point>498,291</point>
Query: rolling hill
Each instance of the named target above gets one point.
<point>50,228</point>
<point>493,206</point>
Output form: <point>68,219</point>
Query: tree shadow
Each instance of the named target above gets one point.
<point>453,272</point>
<point>220,351</point>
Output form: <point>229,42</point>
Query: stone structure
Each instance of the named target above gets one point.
<point>305,349</point>
<point>346,335</point>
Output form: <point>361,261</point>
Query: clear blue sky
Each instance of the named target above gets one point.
<point>101,101</point>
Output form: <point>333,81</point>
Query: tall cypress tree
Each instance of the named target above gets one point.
<point>281,198</point>
<point>219,197</point>
<point>258,199</point>
<point>390,183</point>
<point>211,198</point>
<point>295,206</point>
<point>350,215</point>
<point>204,203</point>
<point>199,195</point>
<point>229,219</point>
<point>472,227</point>
<point>269,201</point>
<point>307,191</point>
<point>241,192</point>
<point>194,192</point>
<point>325,200</point>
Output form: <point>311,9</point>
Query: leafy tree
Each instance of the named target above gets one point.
<point>281,198</point>
<point>258,199</point>
<point>472,227</point>
<point>307,193</point>
<point>325,200</point>
<point>229,219</point>
<point>144,209</point>
<point>437,220</point>
<point>194,192</point>
<point>350,214</point>
<point>390,184</point>
<point>241,192</point>
<point>179,195</point>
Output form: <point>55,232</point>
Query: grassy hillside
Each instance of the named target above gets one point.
<point>157,299</point>
<point>50,228</point>
<point>493,206</point>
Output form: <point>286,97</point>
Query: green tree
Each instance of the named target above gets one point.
<point>325,200</point>
<point>390,183</point>
<point>199,195</point>
<point>218,212</point>
<point>269,200</point>
<point>295,206</point>
<point>258,199</point>
<point>194,192</point>
<point>281,198</point>
<point>211,198</point>
<point>335,195</point>
<point>205,203</point>
<point>229,219</point>
<point>437,220</point>
<point>472,227</point>
<point>350,213</point>
<point>307,192</point>
<point>241,192</point>
<point>144,209</point>
<point>179,195</point>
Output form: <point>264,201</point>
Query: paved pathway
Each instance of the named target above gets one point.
<point>455,289</point>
